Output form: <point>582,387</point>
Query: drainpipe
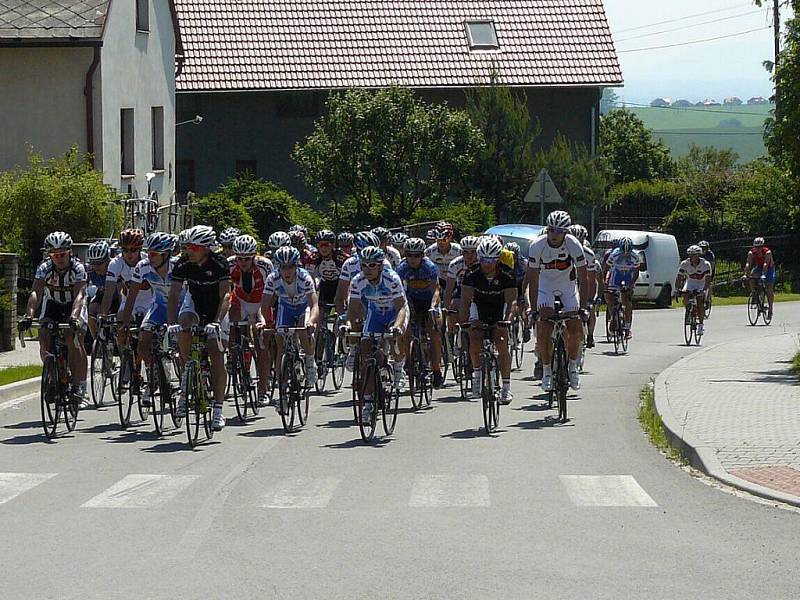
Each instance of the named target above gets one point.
<point>88,91</point>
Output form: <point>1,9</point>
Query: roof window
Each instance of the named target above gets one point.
<point>482,35</point>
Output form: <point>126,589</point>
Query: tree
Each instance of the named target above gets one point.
<point>709,175</point>
<point>630,150</point>
<point>505,168</point>
<point>761,202</point>
<point>468,217</point>
<point>609,101</point>
<point>64,193</point>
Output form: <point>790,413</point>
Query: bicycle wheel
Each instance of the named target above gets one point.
<point>320,356</point>
<point>687,326</point>
<point>697,334</point>
<point>390,402</point>
<point>235,383</point>
<point>97,373</point>
<point>111,364</point>
<point>157,396</point>
<point>708,303</point>
<point>301,398</point>
<point>765,310</point>
<point>415,385</point>
<point>426,372</point>
<point>205,389</point>
<point>623,331</point>
<point>172,371</point>
<point>367,428</point>
<point>458,373</point>
<point>125,395</point>
<point>144,411</point>
<point>338,357</point>
<point>562,380</point>
<point>194,404</point>
<point>753,309</point>
<point>355,385</point>
<point>489,395</point>
<point>249,377</point>
<point>447,352</point>
<point>70,408</point>
<point>608,325</point>
<point>287,390</point>
<point>49,392</point>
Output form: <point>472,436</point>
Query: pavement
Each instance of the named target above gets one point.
<point>587,509</point>
<point>29,355</point>
<point>734,411</point>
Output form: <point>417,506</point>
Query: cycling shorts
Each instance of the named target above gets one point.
<point>378,321</point>
<point>327,292</point>
<point>567,292</point>
<point>485,313</point>
<point>620,279</point>
<point>141,306</point>
<point>693,285</point>
<point>58,312</point>
<point>188,310</point>
<point>249,311</point>
<point>291,316</point>
<point>770,274</point>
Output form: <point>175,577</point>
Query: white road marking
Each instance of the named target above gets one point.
<point>141,491</point>
<point>17,401</point>
<point>606,490</point>
<point>301,492</point>
<point>450,490</point>
<point>14,484</point>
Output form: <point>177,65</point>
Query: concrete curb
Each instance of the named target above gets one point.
<point>704,458</point>
<point>18,389</point>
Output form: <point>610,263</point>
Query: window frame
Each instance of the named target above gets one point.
<point>127,147</point>
<point>142,10</point>
<point>157,137</point>
<point>473,45</point>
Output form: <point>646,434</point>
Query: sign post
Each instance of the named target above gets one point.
<point>543,191</point>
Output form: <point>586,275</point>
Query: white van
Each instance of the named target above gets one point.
<point>522,233</point>
<point>660,262</point>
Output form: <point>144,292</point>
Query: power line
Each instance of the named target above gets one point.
<point>682,27</point>
<point>689,109</point>
<point>689,43</point>
<point>665,132</point>
<point>702,14</point>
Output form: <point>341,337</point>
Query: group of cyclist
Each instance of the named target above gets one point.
<point>378,282</point>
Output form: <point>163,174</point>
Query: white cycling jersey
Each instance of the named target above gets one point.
<point>121,272</point>
<point>557,271</point>
<point>442,261</point>
<point>291,294</point>
<point>592,264</point>
<point>379,296</point>
<point>695,274</point>
<point>393,256</point>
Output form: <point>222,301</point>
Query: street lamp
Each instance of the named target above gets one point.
<point>197,120</point>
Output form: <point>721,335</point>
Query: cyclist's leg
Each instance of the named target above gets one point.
<point>217,359</point>
<point>611,304</point>
<point>434,327</point>
<point>570,299</point>
<point>769,284</point>
<point>627,301</point>
<point>94,310</point>
<point>544,328</point>
<point>500,339</point>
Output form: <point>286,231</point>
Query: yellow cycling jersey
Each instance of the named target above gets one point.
<point>507,258</point>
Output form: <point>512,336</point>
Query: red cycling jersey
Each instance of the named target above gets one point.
<point>759,258</point>
<point>248,286</point>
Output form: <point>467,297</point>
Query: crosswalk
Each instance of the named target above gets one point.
<point>420,492</point>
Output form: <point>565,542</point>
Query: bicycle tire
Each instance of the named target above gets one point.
<point>447,353</point>
<point>174,390</point>
<point>623,331</point>
<point>765,316</point>
<point>390,403</point>
<point>458,367</point>
<point>302,398</point>
<point>608,325</point>
<point>97,373</point>
<point>320,347</point>
<point>287,384</point>
<point>695,326</point>
<point>235,383</point>
<point>489,396</point>
<point>194,413</point>
<point>70,409</point>
<point>426,372</point>
<point>367,429</point>
<point>250,376</point>
<point>338,359</point>
<point>753,309</point>
<point>415,388</point>
<point>156,397</point>
<point>125,389</point>
<point>562,381</point>
<point>708,304</point>
<point>48,397</point>
<point>687,327</point>
<point>207,415</point>
<point>356,384</point>
<point>144,411</point>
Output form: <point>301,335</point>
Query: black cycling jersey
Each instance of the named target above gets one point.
<point>203,282</point>
<point>489,292</point>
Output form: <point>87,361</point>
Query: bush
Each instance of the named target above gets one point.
<point>471,216</point>
<point>688,221</point>
<point>64,193</point>
<point>658,197</point>
<point>222,212</point>
<point>630,149</point>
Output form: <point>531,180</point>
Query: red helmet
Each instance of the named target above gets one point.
<point>131,238</point>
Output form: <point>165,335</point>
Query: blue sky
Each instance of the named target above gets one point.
<point>715,69</point>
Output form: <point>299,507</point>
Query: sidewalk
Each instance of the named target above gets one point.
<point>21,356</point>
<point>734,411</point>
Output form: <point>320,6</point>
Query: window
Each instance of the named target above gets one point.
<point>482,35</point>
<point>244,166</point>
<point>142,15</point>
<point>157,118</point>
<point>126,147</point>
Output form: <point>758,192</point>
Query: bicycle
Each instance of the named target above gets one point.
<point>447,352</point>
<point>292,385</point>
<point>757,305</point>
<point>104,360</point>
<point>197,383</point>
<point>690,321</point>
<point>490,378</point>
<point>709,295</point>
<point>129,382</point>
<point>420,387</point>
<point>559,364</point>
<point>329,352</point>
<point>55,396</point>
<point>386,394</point>
<point>516,341</point>
<point>463,371</point>
<point>163,381</point>
<point>240,366</point>
<point>619,325</point>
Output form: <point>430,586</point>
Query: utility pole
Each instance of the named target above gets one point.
<point>776,30</point>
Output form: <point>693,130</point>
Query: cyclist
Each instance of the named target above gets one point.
<point>296,296</point>
<point>326,266</point>
<point>298,239</point>
<point>623,271</point>
<point>456,270</point>
<point>98,256</point>
<point>519,270</point>
<point>152,273</point>
<point>304,231</point>
<point>443,251</point>
<point>391,253</point>
<point>226,239</point>
<point>399,243</point>
<point>59,286</point>
<point>488,293</point>
<point>420,277</point>
<point>344,241</point>
<point>248,280</point>
<point>276,240</point>
<point>695,272</point>
<point>593,276</point>
<point>761,263</point>
<point>557,268</point>
<point>430,237</point>
<point>207,279</point>
<point>376,297</point>
<point>708,255</point>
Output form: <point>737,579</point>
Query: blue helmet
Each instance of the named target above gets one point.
<point>287,255</point>
<point>372,254</point>
<point>626,245</point>
<point>160,242</point>
<point>366,238</point>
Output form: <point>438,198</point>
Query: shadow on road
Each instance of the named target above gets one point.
<point>338,424</point>
<point>377,442</point>
<point>545,423</point>
<point>471,434</point>
<point>262,433</point>
<point>24,425</point>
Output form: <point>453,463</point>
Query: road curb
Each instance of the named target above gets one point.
<point>704,458</point>
<point>15,390</point>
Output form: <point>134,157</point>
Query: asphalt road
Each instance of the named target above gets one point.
<point>588,509</point>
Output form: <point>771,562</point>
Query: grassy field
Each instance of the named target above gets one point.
<point>709,126</point>
<point>741,300</point>
<point>12,374</point>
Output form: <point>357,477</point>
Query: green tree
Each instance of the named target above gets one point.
<point>709,175</point>
<point>629,149</point>
<point>609,101</point>
<point>220,212</point>
<point>760,204</point>
<point>505,167</point>
<point>468,217</point>
<point>64,193</point>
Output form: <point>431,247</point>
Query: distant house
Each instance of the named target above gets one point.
<point>259,72</point>
<point>758,100</point>
<point>709,102</point>
<point>682,103</point>
<point>732,101</point>
<point>94,74</point>
<point>661,102</point>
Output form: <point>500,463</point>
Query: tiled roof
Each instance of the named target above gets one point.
<point>329,44</point>
<point>52,19</point>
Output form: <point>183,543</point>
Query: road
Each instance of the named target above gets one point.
<point>438,511</point>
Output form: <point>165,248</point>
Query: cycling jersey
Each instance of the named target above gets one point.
<point>695,274</point>
<point>146,277</point>
<point>488,293</point>
<point>326,270</point>
<point>393,256</point>
<point>622,267</point>
<point>352,267</point>
<point>248,286</point>
<point>58,286</point>
<point>556,264</point>
<point>592,264</point>
<point>202,281</point>
<point>443,260</point>
<point>293,294</point>
<point>419,282</point>
<point>759,259</point>
<point>456,271</point>
<point>121,272</point>
<point>379,298</point>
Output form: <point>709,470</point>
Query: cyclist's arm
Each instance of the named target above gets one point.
<point>525,280</point>
<point>225,305</point>
<point>341,294</point>
<point>129,303</point>
<point>108,296</point>
<point>448,291</point>
<point>679,281</point>
<point>400,321</point>
<point>592,280</point>
<point>224,288</point>
<point>266,302</point>
<point>466,302</point>
<point>635,276</point>
<point>313,317</point>
<point>510,295</point>
<point>79,298</point>
<point>708,282</point>
<point>172,301</point>
<point>583,286</point>
<point>533,288</point>
<point>436,292</point>
<point>747,263</point>
<point>33,300</point>
<point>769,261</point>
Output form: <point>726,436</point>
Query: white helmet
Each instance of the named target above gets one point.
<point>202,235</point>
<point>469,242</point>
<point>489,248</point>
<point>58,240</point>
<point>279,239</point>
<point>558,219</point>
<point>417,245</point>
<point>694,250</point>
<point>99,250</point>
<point>160,241</point>
<point>245,245</point>
<point>759,241</point>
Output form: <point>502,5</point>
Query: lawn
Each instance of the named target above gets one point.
<point>740,300</point>
<point>18,373</point>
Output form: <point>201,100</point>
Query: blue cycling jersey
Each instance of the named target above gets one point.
<point>419,282</point>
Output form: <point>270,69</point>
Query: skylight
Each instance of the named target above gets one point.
<point>482,35</point>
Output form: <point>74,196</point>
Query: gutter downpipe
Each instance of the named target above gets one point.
<point>88,91</point>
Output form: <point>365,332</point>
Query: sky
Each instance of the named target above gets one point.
<point>712,69</point>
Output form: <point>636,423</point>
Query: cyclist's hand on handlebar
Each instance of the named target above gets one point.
<point>24,324</point>
<point>396,331</point>
<point>174,328</point>
<point>212,329</point>
<point>75,323</point>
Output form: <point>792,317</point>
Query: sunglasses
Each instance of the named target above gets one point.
<point>59,253</point>
<point>556,230</point>
<point>244,258</point>
<point>413,255</point>
<point>488,261</point>
<point>155,253</point>
<point>370,265</point>
<point>195,247</point>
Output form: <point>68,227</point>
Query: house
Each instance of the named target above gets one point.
<point>96,74</point>
<point>661,103</point>
<point>709,102</point>
<point>259,72</point>
<point>682,104</point>
<point>758,100</point>
<point>732,101</point>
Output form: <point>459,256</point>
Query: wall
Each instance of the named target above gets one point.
<point>257,126</point>
<point>41,102</point>
<point>138,71</point>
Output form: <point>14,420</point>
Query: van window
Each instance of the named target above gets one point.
<point>643,265</point>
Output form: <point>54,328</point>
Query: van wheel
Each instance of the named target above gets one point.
<point>664,299</point>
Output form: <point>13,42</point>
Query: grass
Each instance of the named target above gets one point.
<point>19,373</point>
<point>652,424</point>
<point>796,364</point>
<point>742,300</point>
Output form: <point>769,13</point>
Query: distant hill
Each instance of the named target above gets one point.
<point>736,127</point>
